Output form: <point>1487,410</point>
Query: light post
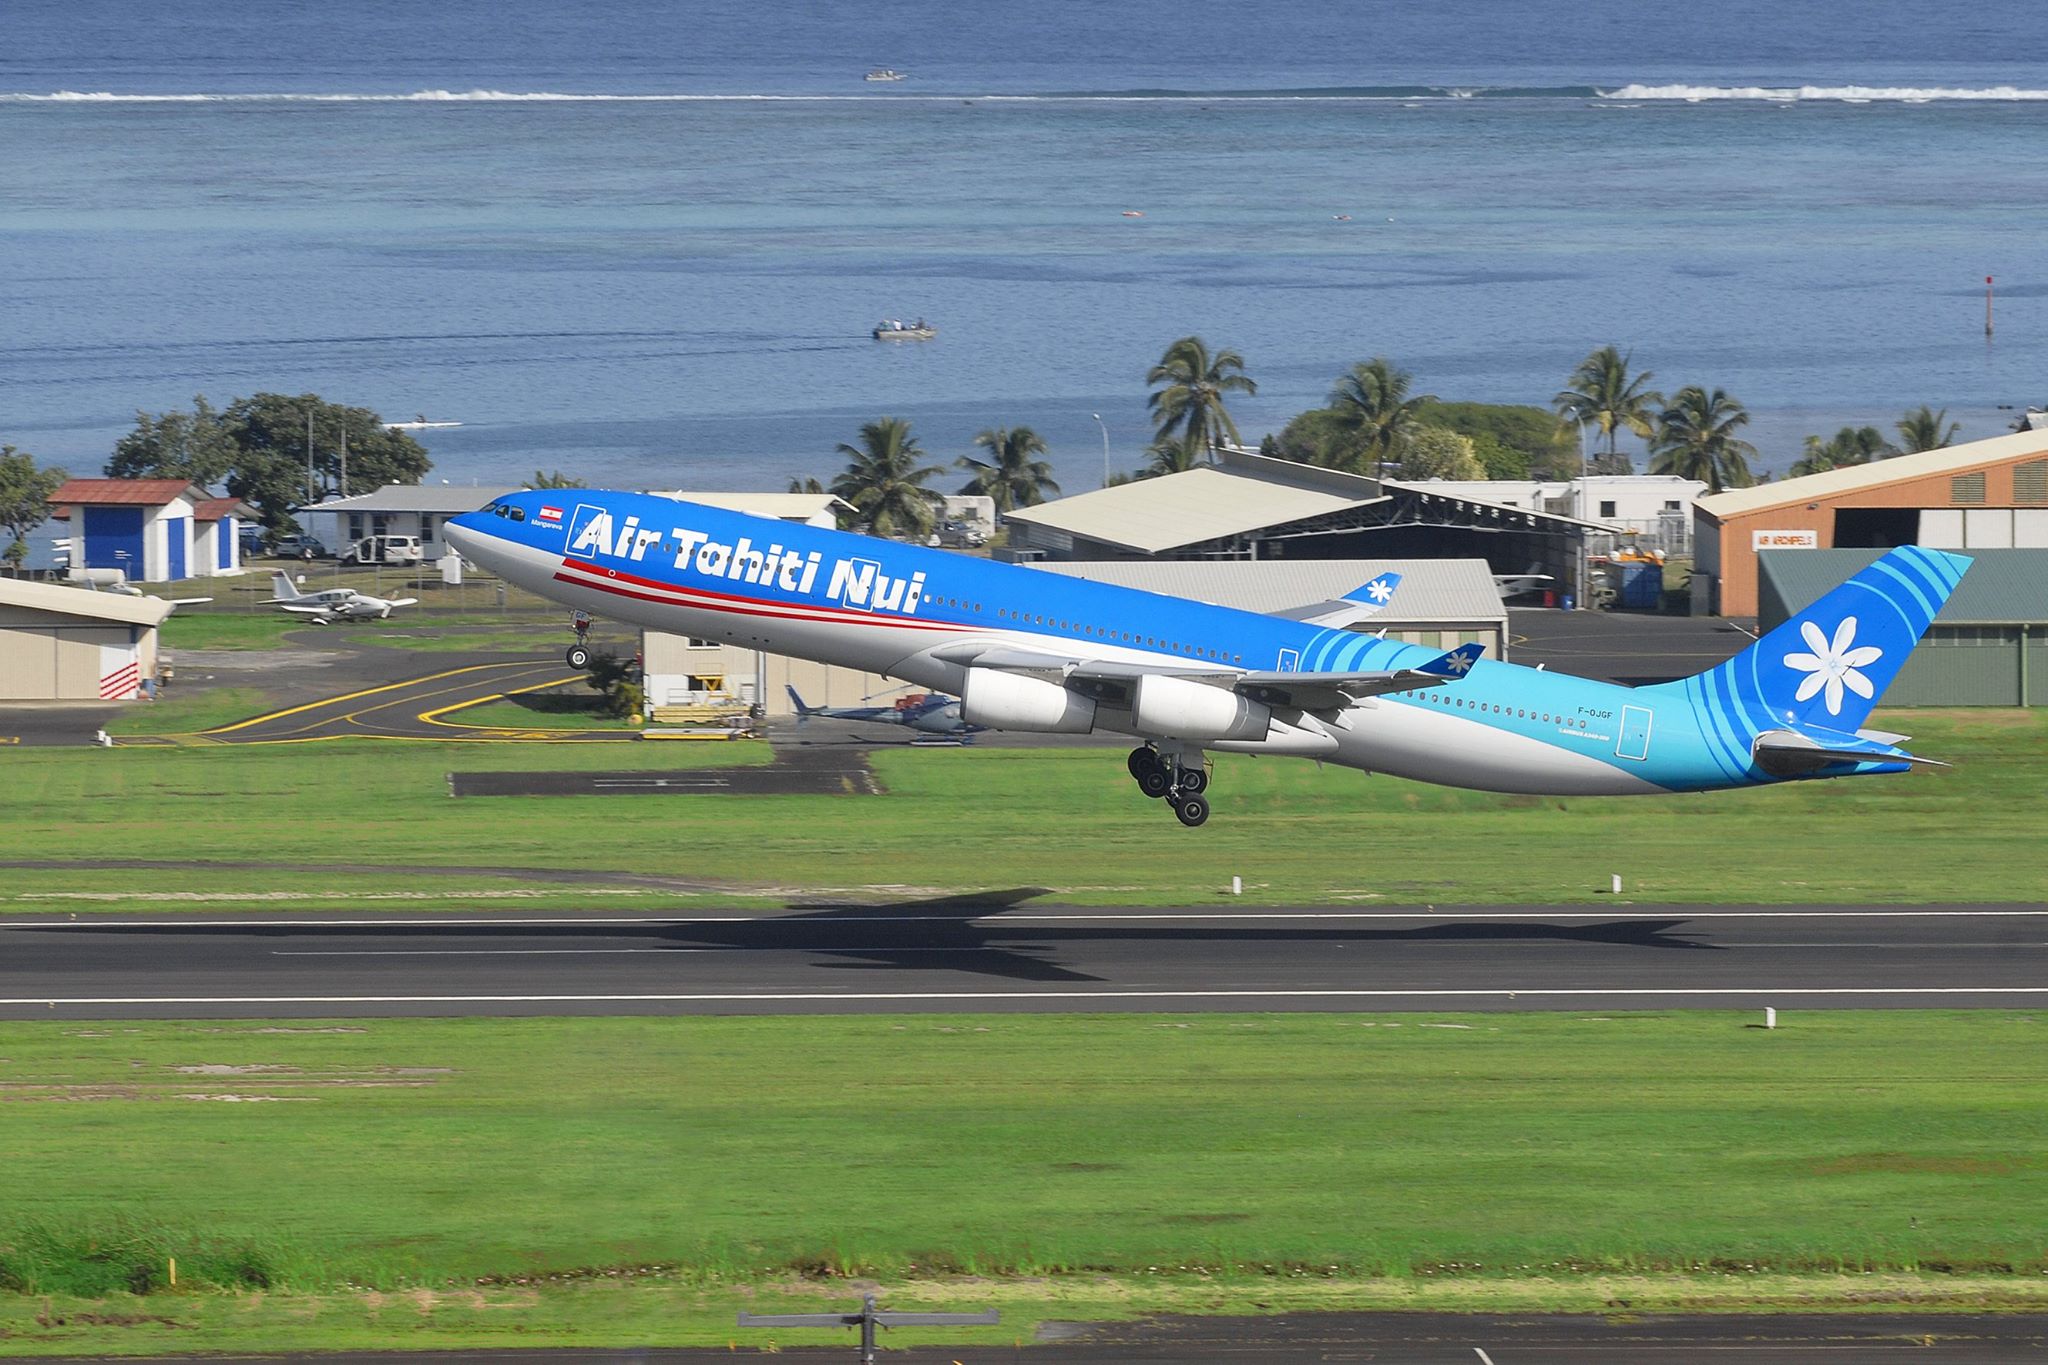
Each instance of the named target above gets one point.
<point>1584,557</point>
<point>1105,446</point>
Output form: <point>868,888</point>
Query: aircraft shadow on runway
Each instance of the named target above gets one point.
<point>950,933</point>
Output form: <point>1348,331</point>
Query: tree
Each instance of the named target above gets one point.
<point>1513,440</point>
<point>1695,439</point>
<point>1373,401</point>
<point>195,446</point>
<point>1170,455</point>
<point>1603,392</point>
<point>1010,475</point>
<point>884,482</point>
<point>24,499</point>
<point>1921,429</point>
<point>258,445</point>
<point>1849,446</point>
<point>1440,453</point>
<point>1189,385</point>
<point>556,479</point>
<point>806,486</point>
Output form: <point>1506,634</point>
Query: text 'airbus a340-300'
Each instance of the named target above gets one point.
<point>1033,651</point>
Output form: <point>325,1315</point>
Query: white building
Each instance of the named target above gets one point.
<point>398,509</point>
<point>1657,508</point>
<point>148,530</point>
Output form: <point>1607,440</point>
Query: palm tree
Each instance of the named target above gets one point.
<point>1189,384</point>
<point>1695,439</point>
<point>1170,455</point>
<point>1372,401</point>
<point>1849,446</point>
<point>1921,429</point>
<point>885,483</point>
<point>1010,475</point>
<point>1603,392</point>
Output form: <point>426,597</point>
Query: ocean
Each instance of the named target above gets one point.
<point>643,243</point>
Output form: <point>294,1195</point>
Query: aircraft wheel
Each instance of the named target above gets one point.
<point>578,657</point>
<point>1155,782</point>
<point>1193,781</point>
<point>1191,810</point>
<point>1142,758</point>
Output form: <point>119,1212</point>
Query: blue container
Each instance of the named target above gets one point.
<point>1565,603</point>
<point>1642,586</point>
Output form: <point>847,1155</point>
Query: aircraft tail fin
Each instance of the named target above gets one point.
<point>281,584</point>
<point>1826,667</point>
<point>803,712</point>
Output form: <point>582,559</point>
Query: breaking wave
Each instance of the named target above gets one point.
<point>1842,94</point>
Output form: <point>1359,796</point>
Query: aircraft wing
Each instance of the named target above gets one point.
<point>307,611</point>
<point>1112,681</point>
<point>1362,601</point>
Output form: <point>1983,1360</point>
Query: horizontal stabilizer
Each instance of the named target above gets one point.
<point>1791,753</point>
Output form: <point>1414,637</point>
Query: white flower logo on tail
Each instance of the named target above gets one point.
<point>1833,664</point>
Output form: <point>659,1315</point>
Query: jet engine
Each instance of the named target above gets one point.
<point>1175,708</point>
<point>1010,701</point>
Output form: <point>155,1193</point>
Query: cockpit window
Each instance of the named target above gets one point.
<point>516,513</point>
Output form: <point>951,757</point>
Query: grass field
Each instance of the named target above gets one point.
<point>513,1172</point>
<point>1065,820</point>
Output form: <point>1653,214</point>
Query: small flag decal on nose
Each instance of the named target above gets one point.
<point>551,516</point>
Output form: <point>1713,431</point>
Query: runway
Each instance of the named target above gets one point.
<point>1007,953</point>
<point>1383,1338</point>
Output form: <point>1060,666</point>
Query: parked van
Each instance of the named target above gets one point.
<point>384,550</point>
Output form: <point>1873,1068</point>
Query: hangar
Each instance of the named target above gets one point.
<point>1986,495</point>
<point>1988,647</point>
<point>149,530</point>
<point>69,644</point>
<point>1249,506</point>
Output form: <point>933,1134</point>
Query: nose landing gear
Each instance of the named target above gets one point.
<point>1175,779</point>
<point>578,656</point>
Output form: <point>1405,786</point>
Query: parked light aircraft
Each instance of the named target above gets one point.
<point>928,713</point>
<point>332,604</point>
<point>1027,650</point>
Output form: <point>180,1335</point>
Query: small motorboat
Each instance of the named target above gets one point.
<point>883,73</point>
<point>895,329</point>
<point>1133,213</point>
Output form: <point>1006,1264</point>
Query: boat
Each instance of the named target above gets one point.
<point>883,73</point>
<point>895,329</point>
<point>422,424</point>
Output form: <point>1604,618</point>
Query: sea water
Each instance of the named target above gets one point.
<point>643,243</point>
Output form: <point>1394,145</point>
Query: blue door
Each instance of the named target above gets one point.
<point>224,541</point>
<point>113,539</point>
<point>178,533</point>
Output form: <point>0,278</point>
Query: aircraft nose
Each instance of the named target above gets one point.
<point>460,538</point>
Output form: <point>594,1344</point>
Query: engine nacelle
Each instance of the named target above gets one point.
<point>1175,708</point>
<point>1010,701</point>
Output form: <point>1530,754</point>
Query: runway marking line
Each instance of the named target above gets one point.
<point>872,997</point>
<point>1484,1358</point>
<point>346,696</point>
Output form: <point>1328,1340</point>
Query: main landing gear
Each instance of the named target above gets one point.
<point>1180,784</point>
<point>578,656</point>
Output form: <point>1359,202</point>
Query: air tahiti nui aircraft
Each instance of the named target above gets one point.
<point>1028,650</point>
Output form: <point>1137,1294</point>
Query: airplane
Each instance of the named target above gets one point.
<point>332,604</point>
<point>929,714</point>
<point>1027,650</point>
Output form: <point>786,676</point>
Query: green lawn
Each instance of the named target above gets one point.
<point>1211,1161</point>
<point>183,712</point>
<point>408,628</point>
<point>1065,820</point>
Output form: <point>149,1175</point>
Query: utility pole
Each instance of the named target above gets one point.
<point>310,495</point>
<point>344,462</point>
<point>868,1319</point>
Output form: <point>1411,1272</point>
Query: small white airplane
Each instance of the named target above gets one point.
<point>332,604</point>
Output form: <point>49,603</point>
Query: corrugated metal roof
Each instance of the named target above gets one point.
<point>123,492</point>
<point>213,509</point>
<point>1432,591</point>
<point>1834,483</point>
<point>438,498</point>
<point>2001,586</point>
<point>98,606</point>
<point>781,506</point>
<point>1151,516</point>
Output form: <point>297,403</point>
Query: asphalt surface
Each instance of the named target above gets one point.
<point>414,708</point>
<point>1386,1339</point>
<point>840,771</point>
<point>1624,647</point>
<point>1003,953</point>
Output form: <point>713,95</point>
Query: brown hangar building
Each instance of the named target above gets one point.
<point>1987,495</point>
